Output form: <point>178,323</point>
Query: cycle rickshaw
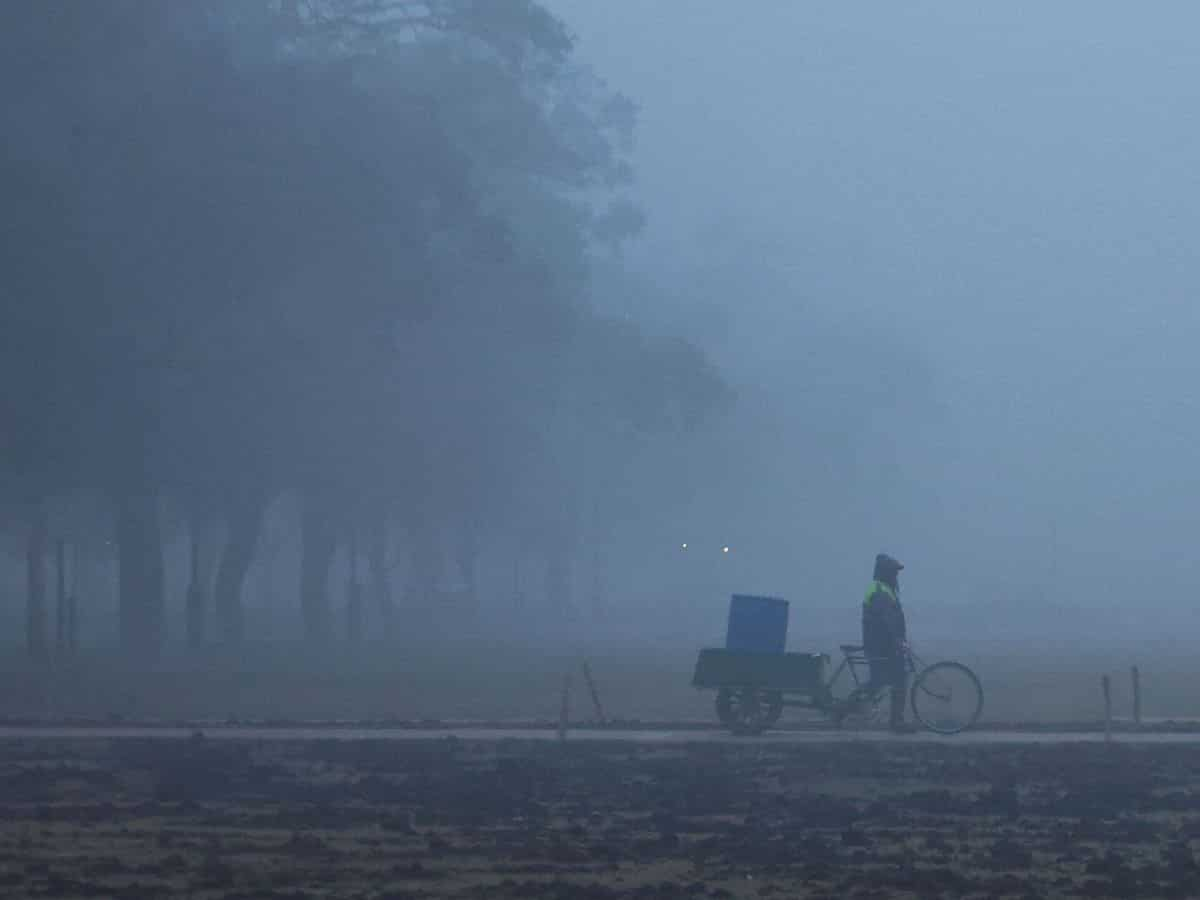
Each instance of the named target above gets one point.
<point>754,688</point>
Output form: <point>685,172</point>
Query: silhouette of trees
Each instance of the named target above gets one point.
<point>334,250</point>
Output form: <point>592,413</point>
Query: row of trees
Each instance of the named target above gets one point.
<point>331,252</point>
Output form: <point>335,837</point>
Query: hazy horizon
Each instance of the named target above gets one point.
<point>947,248</point>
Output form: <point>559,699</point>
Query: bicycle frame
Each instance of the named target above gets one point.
<point>856,658</point>
<point>851,662</point>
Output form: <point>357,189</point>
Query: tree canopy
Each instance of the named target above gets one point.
<point>335,249</point>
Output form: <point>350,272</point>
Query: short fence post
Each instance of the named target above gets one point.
<point>1137,696</point>
<point>564,711</point>
<point>1106,684</point>
<point>591,683</point>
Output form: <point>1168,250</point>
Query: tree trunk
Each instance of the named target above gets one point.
<point>317,546</point>
<point>467,553</point>
<point>354,593</point>
<point>354,611</point>
<point>197,593</point>
<point>558,578</point>
<point>245,524</point>
<point>600,585</point>
<point>140,561</point>
<point>518,598</point>
<point>426,568</point>
<point>72,623</point>
<point>35,557</point>
<point>73,604</point>
<point>377,573</point>
<point>560,543</point>
<point>61,620</point>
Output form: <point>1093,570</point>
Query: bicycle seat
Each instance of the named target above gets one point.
<point>852,648</point>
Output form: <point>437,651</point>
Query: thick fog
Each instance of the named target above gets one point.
<point>718,298</point>
<point>945,253</point>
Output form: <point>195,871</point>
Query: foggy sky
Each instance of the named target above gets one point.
<point>945,253</point>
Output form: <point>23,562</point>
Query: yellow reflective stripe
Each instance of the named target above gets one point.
<point>878,586</point>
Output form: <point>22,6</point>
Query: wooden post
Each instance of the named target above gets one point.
<point>1137,696</point>
<point>564,711</point>
<point>1106,684</point>
<point>591,683</point>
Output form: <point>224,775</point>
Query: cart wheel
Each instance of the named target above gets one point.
<point>774,707</point>
<point>723,704</point>
<point>748,710</point>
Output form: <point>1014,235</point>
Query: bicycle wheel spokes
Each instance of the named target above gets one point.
<point>947,698</point>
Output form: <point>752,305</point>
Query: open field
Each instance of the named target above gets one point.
<point>478,682</point>
<point>513,819</point>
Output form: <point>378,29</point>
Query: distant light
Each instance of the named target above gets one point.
<point>683,547</point>
<point>724,549</point>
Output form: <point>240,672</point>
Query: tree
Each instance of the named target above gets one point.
<point>335,249</point>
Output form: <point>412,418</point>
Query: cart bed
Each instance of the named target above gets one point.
<point>789,672</point>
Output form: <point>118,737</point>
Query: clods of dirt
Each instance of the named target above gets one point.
<point>398,821</point>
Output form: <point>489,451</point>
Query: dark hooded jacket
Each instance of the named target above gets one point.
<point>883,625</point>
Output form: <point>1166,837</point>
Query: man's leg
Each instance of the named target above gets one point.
<point>880,676</point>
<point>899,693</point>
<point>876,678</point>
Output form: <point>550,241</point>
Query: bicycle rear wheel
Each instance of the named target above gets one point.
<point>947,698</point>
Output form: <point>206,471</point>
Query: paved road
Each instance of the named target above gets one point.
<point>647,736</point>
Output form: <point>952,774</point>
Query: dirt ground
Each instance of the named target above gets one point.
<point>387,821</point>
